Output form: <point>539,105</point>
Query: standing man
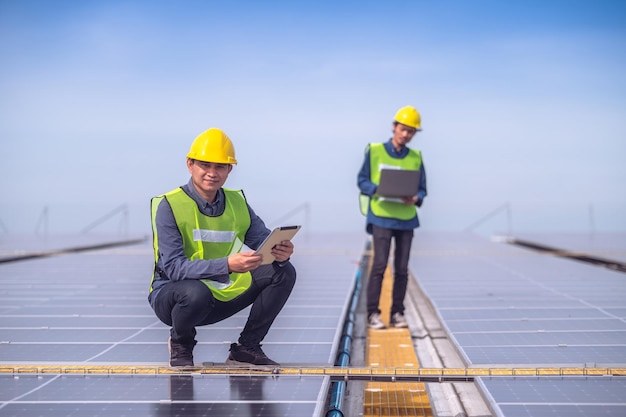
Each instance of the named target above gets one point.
<point>200,276</point>
<point>388,219</point>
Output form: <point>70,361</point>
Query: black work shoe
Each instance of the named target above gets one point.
<point>244,355</point>
<point>180,354</point>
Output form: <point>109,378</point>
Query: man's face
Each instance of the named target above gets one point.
<point>208,177</point>
<point>402,134</point>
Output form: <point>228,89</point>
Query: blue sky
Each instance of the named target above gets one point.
<point>522,104</point>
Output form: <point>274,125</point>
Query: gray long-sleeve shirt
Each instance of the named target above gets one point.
<point>172,264</point>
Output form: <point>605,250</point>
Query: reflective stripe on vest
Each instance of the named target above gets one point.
<point>379,159</point>
<point>207,237</point>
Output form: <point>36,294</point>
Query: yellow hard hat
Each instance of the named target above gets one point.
<point>213,146</point>
<point>409,116</point>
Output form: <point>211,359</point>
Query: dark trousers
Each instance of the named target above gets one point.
<point>189,303</point>
<point>382,243</point>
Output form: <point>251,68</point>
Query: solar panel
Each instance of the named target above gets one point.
<point>507,306</point>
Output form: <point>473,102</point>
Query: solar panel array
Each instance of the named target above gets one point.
<point>92,308</point>
<point>507,306</point>
<point>502,306</point>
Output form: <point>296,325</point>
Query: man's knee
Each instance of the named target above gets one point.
<point>287,275</point>
<point>194,294</point>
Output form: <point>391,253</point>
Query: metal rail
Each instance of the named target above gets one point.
<point>612,264</point>
<point>55,252</point>
<point>335,373</point>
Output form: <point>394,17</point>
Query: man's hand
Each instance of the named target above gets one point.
<point>410,201</point>
<point>283,250</point>
<point>244,262</point>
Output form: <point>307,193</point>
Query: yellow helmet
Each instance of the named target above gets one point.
<point>213,146</point>
<point>409,116</point>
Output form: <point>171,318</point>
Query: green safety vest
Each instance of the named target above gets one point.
<point>387,207</point>
<point>206,237</point>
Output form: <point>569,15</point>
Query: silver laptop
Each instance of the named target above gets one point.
<point>398,182</point>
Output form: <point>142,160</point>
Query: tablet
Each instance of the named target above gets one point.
<point>398,182</point>
<point>276,236</point>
